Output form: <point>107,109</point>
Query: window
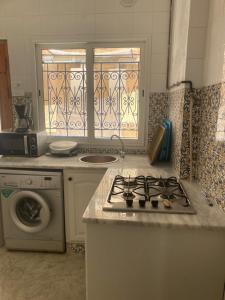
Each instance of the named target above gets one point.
<point>92,91</point>
<point>64,90</point>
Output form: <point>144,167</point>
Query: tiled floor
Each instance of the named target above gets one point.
<point>41,276</point>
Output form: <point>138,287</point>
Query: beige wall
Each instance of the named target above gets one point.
<point>179,40</point>
<point>188,41</point>
<point>215,45</point>
<point>198,23</point>
<point>25,21</point>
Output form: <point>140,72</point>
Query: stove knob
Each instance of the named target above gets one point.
<point>29,181</point>
<point>129,202</point>
<point>142,203</point>
<point>155,203</point>
<point>167,204</point>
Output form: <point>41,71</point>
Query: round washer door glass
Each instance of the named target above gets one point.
<point>29,211</point>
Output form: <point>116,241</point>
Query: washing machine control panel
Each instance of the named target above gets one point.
<point>30,181</point>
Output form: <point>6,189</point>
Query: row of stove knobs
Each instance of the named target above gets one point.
<point>155,203</point>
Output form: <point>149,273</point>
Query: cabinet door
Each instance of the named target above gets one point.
<point>79,186</point>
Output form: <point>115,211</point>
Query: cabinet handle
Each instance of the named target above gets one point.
<point>70,178</point>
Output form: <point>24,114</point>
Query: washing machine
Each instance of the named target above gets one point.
<point>32,210</point>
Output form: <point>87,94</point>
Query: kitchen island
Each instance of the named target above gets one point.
<point>153,256</point>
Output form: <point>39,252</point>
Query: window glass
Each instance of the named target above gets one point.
<point>116,92</point>
<point>65,91</point>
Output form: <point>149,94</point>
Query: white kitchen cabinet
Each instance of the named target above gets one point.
<point>79,186</point>
<point>124,261</point>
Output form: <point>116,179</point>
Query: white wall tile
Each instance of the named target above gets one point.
<point>69,24</point>
<point>8,8</point>
<point>19,8</point>
<point>109,6</point>
<point>196,42</point>
<point>52,20</point>
<point>194,71</point>
<point>29,7</point>
<point>2,29</point>
<point>87,24</point>
<point>16,48</point>
<point>199,13</point>
<point>70,6</point>
<point>161,22</point>
<point>142,23</point>
<point>106,23</point>
<point>125,23</point>
<point>50,25</point>
<point>143,6</point>
<point>76,6</point>
<point>49,7</point>
<point>13,26</point>
<point>159,63</point>
<point>158,83</point>
<point>160,42</point>
<point>105,6</point>
<point>34,25</point>
<point>161,5</point>
<point>119,24</point>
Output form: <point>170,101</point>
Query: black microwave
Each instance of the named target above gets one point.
<point>23,144</point>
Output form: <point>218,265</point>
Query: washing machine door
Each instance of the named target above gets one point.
<point>29,211</point>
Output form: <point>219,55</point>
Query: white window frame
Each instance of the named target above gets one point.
<point>90,46</point>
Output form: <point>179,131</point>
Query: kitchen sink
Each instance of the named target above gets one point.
<point>98,159</point>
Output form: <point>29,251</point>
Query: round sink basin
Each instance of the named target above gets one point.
<point>98,159</point>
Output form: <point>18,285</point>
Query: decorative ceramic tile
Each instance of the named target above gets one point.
<point>75,248</point>
<point>175,113</point>
<point>208,137</point>
<point>158,110</point>
<point>211,158</point>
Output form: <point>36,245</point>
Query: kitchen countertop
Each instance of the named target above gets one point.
<point>207,217</point>
<point>53,162</point>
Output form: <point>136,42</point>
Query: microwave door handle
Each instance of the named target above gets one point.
<point>25,140</point>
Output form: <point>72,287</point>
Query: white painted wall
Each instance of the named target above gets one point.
<point>179,40</point>
<point>188,41</point>
<point>198,23</point>
<point>214,63</point>
<point>23,22</point>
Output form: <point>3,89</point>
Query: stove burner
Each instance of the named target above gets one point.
<point>128,195</point>
<point>167,196</point>
<point>162,182</point>
<point>130,181</point>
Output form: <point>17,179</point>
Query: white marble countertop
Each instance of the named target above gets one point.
<point>53,162</point>
<point>207,217</point>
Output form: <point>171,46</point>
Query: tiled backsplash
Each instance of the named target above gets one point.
<point>158,110</point>
<point>175,114</point>
<point>211,154</point>
<point>208,143</point>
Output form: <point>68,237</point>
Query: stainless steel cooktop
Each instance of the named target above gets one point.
<point>148,194</point>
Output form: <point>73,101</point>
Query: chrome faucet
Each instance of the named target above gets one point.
<point>122,151</point>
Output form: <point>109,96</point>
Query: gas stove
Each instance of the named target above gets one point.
<point>148,194</point>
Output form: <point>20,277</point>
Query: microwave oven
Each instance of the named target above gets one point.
<point>31,144</point>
